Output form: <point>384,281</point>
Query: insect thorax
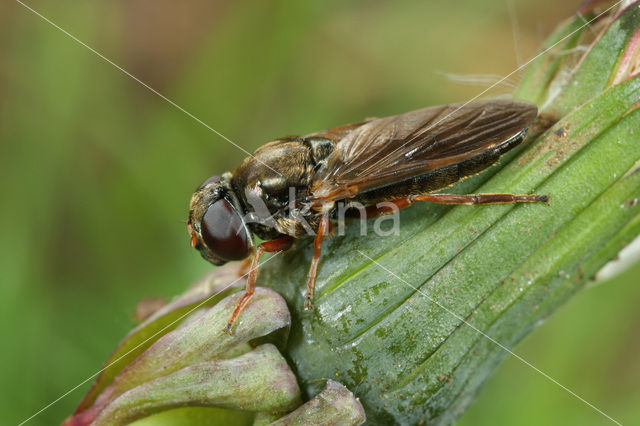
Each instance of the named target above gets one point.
<point>274,186</point>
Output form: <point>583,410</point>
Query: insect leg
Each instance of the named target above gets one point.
<point>402,203</point>
<point>323,230</point>
<point>269,246</point>
<point>479,198</point>
<point>245,265</point>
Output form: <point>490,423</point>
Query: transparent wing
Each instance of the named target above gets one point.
<point>384,151</point>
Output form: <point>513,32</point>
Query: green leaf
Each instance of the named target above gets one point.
<point>408,354</point>
<point>198,338</point>
<point>202,340</point>
<point>257,381</point>
<point>334,405</point>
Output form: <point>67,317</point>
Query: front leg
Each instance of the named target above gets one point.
<point>280,244</point>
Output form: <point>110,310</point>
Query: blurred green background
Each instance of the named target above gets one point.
<point>96,171</point>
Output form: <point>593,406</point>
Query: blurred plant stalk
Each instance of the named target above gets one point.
<point>407,344</point>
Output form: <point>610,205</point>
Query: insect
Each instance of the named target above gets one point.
<point>296,183</point>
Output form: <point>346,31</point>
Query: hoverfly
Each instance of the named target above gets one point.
<point>401,159</point>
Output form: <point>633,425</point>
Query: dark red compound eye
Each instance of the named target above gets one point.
<point>224,232</point>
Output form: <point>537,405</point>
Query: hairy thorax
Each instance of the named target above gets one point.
<point>274,186</point>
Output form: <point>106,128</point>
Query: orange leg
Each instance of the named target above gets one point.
<point>402,203</point>
<point>245,265</point>
<point>323,230</point>
<point>479,198</point>
<point>269,246</point>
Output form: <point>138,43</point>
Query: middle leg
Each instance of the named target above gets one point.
<point>323,230</point>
